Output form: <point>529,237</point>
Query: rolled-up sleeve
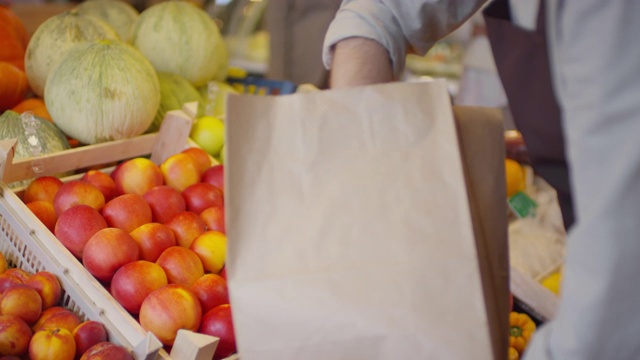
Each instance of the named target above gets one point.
<point>398,25</point>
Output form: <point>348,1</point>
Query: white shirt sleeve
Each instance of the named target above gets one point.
<point>398,25</point>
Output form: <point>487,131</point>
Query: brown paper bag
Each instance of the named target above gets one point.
<point>351,234</point>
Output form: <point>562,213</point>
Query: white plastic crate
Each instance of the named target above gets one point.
<point>22,241</point>
<point>28,244</point>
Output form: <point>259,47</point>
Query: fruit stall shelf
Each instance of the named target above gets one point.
<point>28,244</point>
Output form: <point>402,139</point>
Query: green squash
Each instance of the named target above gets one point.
<point>175,91</point>
<point>119,14</point>
<point>180,38</point>
<point>49,138</point>
<point>54,38</point>
<point>102,91</point>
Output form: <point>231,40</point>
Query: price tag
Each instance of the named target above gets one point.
<point>522,205</point>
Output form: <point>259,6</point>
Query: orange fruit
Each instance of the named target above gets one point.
<point>515,176</point>
<point>13,85</point>
<point>14,24</point>
<point>35,105</point>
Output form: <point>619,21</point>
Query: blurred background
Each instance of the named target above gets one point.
<point>282,40</point>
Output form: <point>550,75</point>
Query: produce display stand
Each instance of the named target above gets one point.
<point>28,244</point>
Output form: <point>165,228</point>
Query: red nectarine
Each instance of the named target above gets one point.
<point>211,290</point>
<point>180,171</point>
<point>48,286</point>
<point>22,301</point>
<point>201,158</point>
<point>52,344</point>
<point>153,239</point>
<point>169,309</point>
<point>137,176</point>
<point>186,226</point>
<point>57,318</point>
<point>214,176</point>
<point>127,212</point>
<point>15,335</point>
<point>77,192</point>
<point>107,351</point>
<point>88,334</point>
<point>201,196</point>
<point>219,323</point>
<point>103,182</point>
<point>213,217</point>
<point>181,265</point>
<point>75,227</point>
<point>107,250</point>
<point>134,281</point>
<point>42,188</point>
<point>45,212</point>
<point>6,280</point>
<point>164,202</point>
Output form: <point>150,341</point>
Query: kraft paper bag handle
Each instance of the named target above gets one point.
<point>350,233</point>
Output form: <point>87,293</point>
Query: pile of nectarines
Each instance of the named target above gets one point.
<point>33,324</point>
<point>153,235</point>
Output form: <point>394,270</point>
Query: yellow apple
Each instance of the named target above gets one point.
<point>211,248</point>
<point>208,133</point>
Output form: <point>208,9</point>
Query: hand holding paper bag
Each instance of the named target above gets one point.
<point>350,231</point>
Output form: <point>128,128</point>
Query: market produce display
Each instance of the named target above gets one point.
<point>536,243</point>
<point>152,234</point>
<point>157,245</point>
<point>107,91</point>
<point>536,229</point>
<point>34,323</point>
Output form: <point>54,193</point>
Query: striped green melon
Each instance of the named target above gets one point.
<point>48,137</point>
<point>180,38</point>
<point>54,37</point>
<point>101,91</point>
<point>119,14</point>
<point>175,91</point>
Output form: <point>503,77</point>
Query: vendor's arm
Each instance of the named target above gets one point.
<point>360,61</point>
<point>395,26</point>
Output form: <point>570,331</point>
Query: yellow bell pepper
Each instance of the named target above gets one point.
<point>521,327</point>
<point>513,354</point>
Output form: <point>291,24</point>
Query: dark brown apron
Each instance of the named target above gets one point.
<point>521,57</point>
